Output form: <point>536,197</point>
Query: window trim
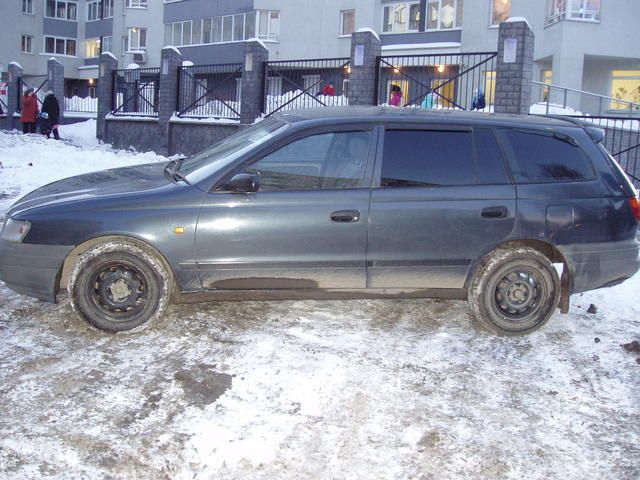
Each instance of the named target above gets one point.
<point>30,42</point>
<point>31,12</point>
<point>98,4</point>
<point>395,4</point>
<point>456,24</point>
<point>129,44</point>
<point>278,143</point>
<point>612,78</point>
<point>140,4</point>
<point>56,37</point>
<point>66,2</point>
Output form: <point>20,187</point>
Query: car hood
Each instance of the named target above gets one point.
<point>118,181</point>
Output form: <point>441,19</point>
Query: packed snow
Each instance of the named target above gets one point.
<point>384,389</point>
<point>81,104</point>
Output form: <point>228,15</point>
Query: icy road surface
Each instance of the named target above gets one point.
<point>405,389</point>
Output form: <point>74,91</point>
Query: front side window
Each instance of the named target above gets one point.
<point>27,6</point>
<point>61,9</point>
<point>541,157</point>
<point>444,14</point>
<point>625,85</point>
<point>427,158</point>
<point>26,44</point>
<point>319,162</point>
<point>500,11</point>
<point>401,17</point>
<point>347,22</point>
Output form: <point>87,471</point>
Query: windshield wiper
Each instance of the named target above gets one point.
<point>171,171</point>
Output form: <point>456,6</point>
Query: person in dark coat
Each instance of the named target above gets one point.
<point>29,112</point>
<point>51,108</point>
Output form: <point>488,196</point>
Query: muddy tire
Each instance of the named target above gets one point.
<point>118,286</point>
<point>514,291</point>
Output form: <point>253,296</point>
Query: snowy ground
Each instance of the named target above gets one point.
<point>308,389</point>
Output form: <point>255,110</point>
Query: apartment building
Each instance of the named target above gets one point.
<point>581,44</point>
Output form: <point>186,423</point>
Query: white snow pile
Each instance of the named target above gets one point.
<point>30,161</point>
<point>81,104</point>
<point>297,99</point>
<point>214,109</point>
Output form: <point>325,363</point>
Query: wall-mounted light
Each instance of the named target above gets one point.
<point>440,68</point>
<point>91,81</point>
<point>396,69</point>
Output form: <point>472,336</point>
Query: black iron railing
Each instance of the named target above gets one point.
<point>39,85</point>
<point>305,84</point>
<point>210,91</point>
<point>135,91</point>
<point>437,81</point>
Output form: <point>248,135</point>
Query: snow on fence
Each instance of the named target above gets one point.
<point>80,104</point>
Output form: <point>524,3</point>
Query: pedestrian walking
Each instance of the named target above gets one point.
<point>29,111</point>
<point>50,116</point>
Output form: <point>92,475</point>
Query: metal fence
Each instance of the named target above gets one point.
<point>440,81</point>
<point>210,91</point>
<point>39,85</point>
<point>305,84</point>
<point>135,91</point>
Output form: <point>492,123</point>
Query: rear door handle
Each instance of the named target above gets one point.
<point>345,216</point>
<point>494,212</point>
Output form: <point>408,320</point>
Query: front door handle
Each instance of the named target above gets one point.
<point>494,212</point>
<point>345,216</point>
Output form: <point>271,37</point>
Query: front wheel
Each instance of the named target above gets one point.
<point>118,286</point>
<point>515,291</point>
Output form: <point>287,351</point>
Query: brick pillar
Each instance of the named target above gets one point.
<point>252,83</point>
<point>171,60</point>
<point>514,69</point>
<point>365,50</point>
<point>13,94</point>
<point>108,64</point>
<point>55,82</point>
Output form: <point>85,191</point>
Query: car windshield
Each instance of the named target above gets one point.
<point>207,162</point>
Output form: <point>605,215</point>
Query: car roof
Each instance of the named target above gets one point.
<point>328,115</point>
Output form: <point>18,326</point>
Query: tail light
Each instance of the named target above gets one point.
<point>635,207</point>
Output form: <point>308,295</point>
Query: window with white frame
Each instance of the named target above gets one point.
<point>500,11</point>
<point>625,85</point>
<point>401,17</point>
<point>347,22</point>
<point>107,8</point>
<point>106,45</point>
<point>125,44</point>
<point>60,46</point>
<point>268,22</point>
<point>444,14</point>
<point>27,7</point>
<point>588,10</point>
<point>137,38</point>
<point>61,9</point>
<point>27,41</point>
<point>137,3</point>
<point>229,28</point>
<point>92,47</point>
<point>93,10</point>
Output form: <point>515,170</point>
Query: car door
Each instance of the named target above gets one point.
<point>436,205</point>
<point>305,227</point>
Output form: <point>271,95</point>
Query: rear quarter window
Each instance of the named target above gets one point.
<point>539,157</point>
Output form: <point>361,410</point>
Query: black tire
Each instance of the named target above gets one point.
<point>118,286</point>
<point>514,291</point>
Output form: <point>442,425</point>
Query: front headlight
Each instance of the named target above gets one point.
<point>15,230</point>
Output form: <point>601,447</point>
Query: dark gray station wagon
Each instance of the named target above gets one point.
<point>513,213</point>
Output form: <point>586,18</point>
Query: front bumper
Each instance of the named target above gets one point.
<point>597,265</point>
<point>32,269</point>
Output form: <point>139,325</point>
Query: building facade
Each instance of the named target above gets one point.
<point>586,45</point>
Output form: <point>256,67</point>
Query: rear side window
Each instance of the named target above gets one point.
<point>423,158</point>
<point>542,158</point>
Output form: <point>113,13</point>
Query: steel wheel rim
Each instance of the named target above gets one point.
<point>119,290</point>
<point>518,294</point>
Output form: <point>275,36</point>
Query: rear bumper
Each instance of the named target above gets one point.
<point>597,265</point>
<point>32,269</point>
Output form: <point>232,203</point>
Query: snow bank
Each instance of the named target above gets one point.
<point>80,104</point>
<point>304,101</point>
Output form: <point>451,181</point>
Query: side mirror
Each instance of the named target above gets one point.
<point>244,183</point>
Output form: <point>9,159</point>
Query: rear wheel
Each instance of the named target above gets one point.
<point>118,286</point>
<point>515,291</point>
